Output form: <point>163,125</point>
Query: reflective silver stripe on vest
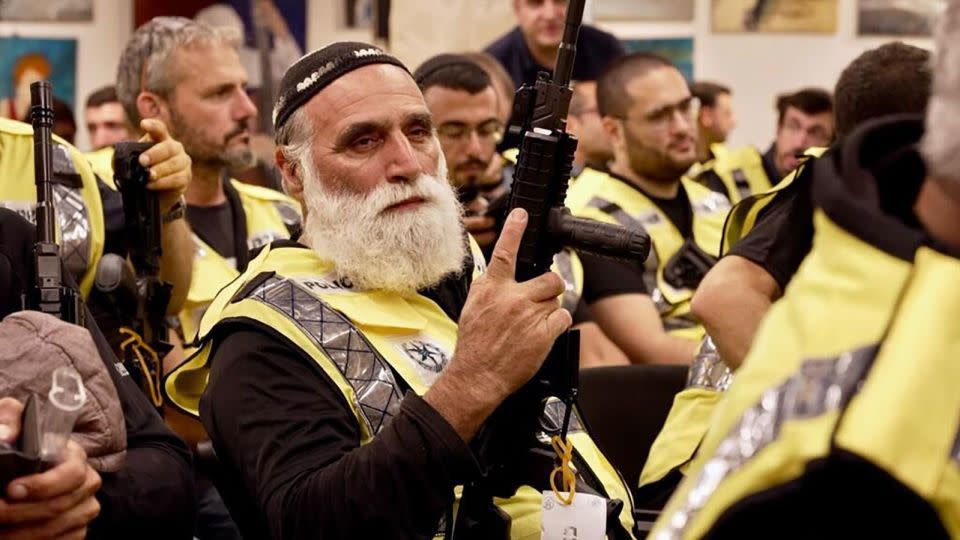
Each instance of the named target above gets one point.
<point>368,373</point>
<point>819,387</point>
<point>708,370</point>
<point>652,264</point>
<point>711,204</point>
<point>570,297</point>
<point>74,222</point>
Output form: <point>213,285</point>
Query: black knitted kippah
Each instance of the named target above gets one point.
<point>315,71</point>
<point>441,61</point>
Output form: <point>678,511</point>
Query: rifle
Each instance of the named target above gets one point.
<point>510,443</point>
<point>139,296</point>
<point>47,293</point>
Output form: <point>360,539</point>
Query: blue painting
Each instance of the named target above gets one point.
<point>26,60</point>
<point>677,50</point>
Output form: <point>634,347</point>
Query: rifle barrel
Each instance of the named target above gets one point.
<point>563,71</point>
<point>41,117</point>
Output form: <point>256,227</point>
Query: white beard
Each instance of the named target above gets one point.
<point>400,250</point>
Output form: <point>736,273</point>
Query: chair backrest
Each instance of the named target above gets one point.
<point>625,407</point>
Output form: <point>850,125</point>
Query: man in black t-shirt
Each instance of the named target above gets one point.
<point>738,291</point>
<point>532,45</point>
<point>643,306</point>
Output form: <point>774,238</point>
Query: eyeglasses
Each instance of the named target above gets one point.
<point>663,116</point>
<point>459,132</point>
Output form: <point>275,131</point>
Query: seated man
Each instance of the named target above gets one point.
<point>150,497</point>
<point>715,120</point>
<point>765,240</point>
<point>644,306</point>
<point>341,402</point>
<point>804,121</point>
<point>842,422</point>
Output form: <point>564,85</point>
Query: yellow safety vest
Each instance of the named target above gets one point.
<point>567,264</point>
<point>600,196</point>
<point>859,356</point>
<point>740,171</point>
<point>79,210</point>
<point>387,334</point>
<point>709,377</point>
<point>270,215</point>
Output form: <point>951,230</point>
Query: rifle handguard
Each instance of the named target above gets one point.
<point>599,238</point>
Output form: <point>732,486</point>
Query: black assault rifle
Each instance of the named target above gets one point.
<point>139,296</point>
<point>47,293</point>
<point>510,445</point>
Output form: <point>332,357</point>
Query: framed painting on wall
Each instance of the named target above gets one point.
<point>898,18</point>
<point>677,50</point>
<point>800,16</point>
<point>645,10</point>
<point>46,10</point>
<point>26,60</point>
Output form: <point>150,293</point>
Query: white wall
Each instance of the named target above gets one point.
<point>99,44</point>
<point>756,66</point>
<point>759,66</point>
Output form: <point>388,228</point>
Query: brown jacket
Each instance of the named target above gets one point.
<point>32,346</point>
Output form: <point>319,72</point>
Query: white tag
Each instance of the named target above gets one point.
<point>584,519</point>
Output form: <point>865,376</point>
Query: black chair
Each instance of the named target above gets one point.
<point>625,407</point>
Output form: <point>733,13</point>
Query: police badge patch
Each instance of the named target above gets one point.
<point>428,356</point>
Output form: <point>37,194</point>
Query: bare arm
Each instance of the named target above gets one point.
<point>176,265</point>
<point>735,286</point>
<point>631,321</point>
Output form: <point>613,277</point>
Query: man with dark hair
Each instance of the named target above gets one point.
<point>649,113</point>
<point>532,45</point>
<point>107,124</point>
<point>804,121</point>
<point>463,103</point>
<point>738,292</point>
<point>842,422</point>
<point>716,119</point>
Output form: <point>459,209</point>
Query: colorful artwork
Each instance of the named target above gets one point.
<point>26,60</point>
<point>809,16</point>
<point>898,18</point>
<point>46,10</point>
<point>646,10</point>
<point>677,50</point>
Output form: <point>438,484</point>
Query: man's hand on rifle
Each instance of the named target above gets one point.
<point>170,173</point>
<point>506,330</point>
<point>59,503</point>
<point>169,164</point>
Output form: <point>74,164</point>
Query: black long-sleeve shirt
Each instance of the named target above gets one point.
<point>285,435</point>
<point>152,495</point>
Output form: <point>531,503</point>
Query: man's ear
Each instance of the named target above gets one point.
<point>291,175</point>
<point>150,105</point>
<point>614,129</point>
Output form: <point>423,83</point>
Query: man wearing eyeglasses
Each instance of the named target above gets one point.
<point>464,105</point>
<point>649,115</point>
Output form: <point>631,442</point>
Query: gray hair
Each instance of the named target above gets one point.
<point>294,139</point>
<point>941,144</point>
<point>145,62</point>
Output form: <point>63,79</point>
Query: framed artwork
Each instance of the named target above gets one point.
<point>368,14</point>
<point>677,50</point>
<point>787,16</point>
<point>27,60</point>
<point>645,10</point>
<point>897,18</point>
<point>46,10</point>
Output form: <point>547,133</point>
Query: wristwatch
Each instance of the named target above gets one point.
<point>176,211</point>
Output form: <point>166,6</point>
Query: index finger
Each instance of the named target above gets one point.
<point>154,130</point>
<point>503,262</point>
